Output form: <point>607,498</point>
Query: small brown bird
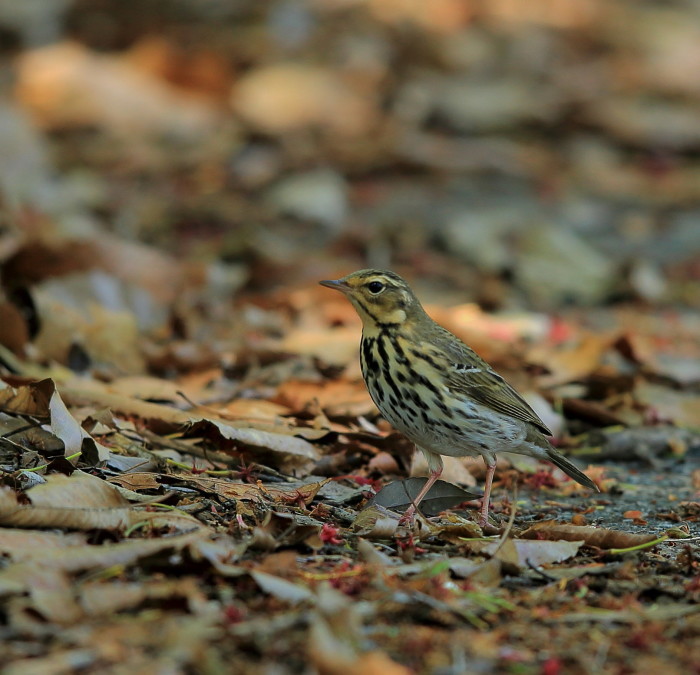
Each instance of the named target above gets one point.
<point>435,389</point>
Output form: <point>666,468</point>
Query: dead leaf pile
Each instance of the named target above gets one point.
<point>193,477</point>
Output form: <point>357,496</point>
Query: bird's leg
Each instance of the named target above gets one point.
<point>484,512</point>
<point>407,517</point>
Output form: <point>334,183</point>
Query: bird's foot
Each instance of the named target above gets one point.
<point>408,517</point>
<point>483,520</point>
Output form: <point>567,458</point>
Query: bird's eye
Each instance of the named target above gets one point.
<point>375,287</point>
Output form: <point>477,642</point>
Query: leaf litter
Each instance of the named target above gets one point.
<point>193,475</point>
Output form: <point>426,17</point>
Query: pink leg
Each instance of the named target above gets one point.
<point>484,513</point>
<point>407,517</point>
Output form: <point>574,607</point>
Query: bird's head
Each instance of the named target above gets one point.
<point>382,299</point>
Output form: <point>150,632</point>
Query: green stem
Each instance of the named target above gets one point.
<point>639,547</point>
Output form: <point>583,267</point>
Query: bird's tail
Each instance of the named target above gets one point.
<point>570,469</point>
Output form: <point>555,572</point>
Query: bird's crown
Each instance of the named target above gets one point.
<point>381,298</point>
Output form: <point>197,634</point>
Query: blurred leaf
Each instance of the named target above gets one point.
<point>281,588</point>
<point>599,537</point>
<point>522,553</point>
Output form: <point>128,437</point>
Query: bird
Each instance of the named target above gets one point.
<point>438,391</point>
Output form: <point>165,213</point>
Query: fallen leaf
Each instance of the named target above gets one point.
<point>338,398</point>
<point>83,557</point>
<point>42,400</point>
<point>523,553</point>
<point>50,590</point>
<point>19,543</point>
<point>454,469</point>
<point>567,365</point>
<point>376,522</point>
<point>257,491</point>
<point>79,490</point>
<point>82,502</point>
<point>66,84</point>
<point>286,452</point>
<point>281,588</point>
<point>253,409</point>
<point>100,598</point>
<point>599,537</point>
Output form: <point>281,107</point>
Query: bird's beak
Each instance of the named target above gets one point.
<point>337,284</point>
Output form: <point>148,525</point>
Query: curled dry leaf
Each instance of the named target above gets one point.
<point>32,399</point>
<point>42,400</point>
<point>599,537</point>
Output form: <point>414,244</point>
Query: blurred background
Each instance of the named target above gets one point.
<point>536,155</point>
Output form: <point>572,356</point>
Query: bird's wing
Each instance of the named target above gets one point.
<point>469,375</point>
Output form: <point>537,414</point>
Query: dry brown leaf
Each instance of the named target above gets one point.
<point>336,347</point>
<point>100,598</point>
<point>599,537</point>
<point>376,522</point>
<point>284,451</point>
<point>258,491</point>
<point>79,490</point>
<point>42,400</point>
<point>454,469</point>
<point>84,393</point>
<point>136,481</point>
<point>15,514</point>
<point>147,388</point>
<point>18,544</point>
<point>574,363</point>
<point>32,399</point>
<point>14,333</point>
<point>66,84</point>
<point>681,407</point>
<point>253,409</point>
<point>82,502</point>
<point>334,637</point>
<point>51,592</point>
<point>286,96</point>
<point>83,557</point>
<point>338,398</point>
<point>280,588</point>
